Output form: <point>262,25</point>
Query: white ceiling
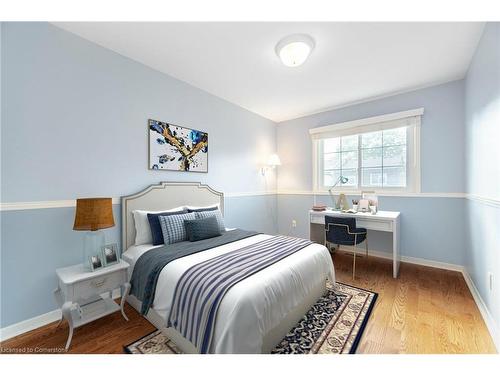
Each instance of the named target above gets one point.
<point>351,61</point>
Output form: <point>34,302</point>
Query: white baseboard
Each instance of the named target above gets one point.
<point>483,309</point>
<point>432,263</point>
<point>36,322</point>
<point>406,259</point>
<point>29,324</point>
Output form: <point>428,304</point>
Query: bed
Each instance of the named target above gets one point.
<point>256,313</point>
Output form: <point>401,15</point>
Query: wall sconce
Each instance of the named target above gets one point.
<point>272,163</point>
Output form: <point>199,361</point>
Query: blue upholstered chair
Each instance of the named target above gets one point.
<point>343,231</point>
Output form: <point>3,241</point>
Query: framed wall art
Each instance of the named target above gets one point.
<point>176,148</point>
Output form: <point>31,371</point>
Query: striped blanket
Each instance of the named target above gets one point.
<point>199,291</point>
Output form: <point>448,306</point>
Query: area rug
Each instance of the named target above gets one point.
<point>334,325</point>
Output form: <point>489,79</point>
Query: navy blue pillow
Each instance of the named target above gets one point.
<point>154,224</point>
<point>201,229</point>
<point>203,209</point>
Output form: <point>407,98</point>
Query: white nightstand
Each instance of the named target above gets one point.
<point>79,293</point>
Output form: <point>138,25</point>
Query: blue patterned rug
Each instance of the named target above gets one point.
<point>334,325</point>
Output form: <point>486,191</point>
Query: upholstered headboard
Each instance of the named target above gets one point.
<point>164,196</point>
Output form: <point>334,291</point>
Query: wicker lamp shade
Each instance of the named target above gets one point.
<point>93,214</point>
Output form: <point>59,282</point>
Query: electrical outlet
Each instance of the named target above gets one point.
<point>294,223</point>
<point>490,281</point>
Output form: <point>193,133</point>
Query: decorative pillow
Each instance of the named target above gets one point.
<point>200,229</point>
<point>154,224</point>
<point>201,209</point>
<point>217,214</point>
<point>142,228</point>
<point>173,227</point>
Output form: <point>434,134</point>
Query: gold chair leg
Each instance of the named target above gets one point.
<point>354,258</point>
<point>366,244</point>
<point>328,245</point>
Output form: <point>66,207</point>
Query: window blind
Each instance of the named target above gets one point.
<point>385,122</point>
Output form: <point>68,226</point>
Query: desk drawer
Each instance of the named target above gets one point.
<point>317,219</point>
<point>384,226</point>
<point>98,285</point>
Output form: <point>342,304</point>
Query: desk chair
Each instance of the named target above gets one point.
<point>343,231</point>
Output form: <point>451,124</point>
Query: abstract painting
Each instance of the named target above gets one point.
<point>175,148</point>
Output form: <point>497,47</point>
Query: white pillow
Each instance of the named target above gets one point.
<point>142,228</point>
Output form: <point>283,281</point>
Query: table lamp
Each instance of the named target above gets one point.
<point>93,214</point>
<point>342,180</point>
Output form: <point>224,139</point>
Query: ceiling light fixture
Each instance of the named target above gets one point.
<point>293,50</point>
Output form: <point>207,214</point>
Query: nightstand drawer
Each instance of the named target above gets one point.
<point>98,285</point>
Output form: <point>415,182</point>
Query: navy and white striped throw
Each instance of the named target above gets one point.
<point>199,291</point>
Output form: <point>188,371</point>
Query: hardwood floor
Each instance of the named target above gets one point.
<point>106,335</point>
<point>425,310</point>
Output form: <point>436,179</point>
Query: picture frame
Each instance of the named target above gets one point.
<point>110,254</point>
<point>371,196</point>
<point>178,148</point>
<point>95,262</point>
<point>363,205</point>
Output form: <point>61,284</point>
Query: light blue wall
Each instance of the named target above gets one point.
<point>253,213</point>
<point>482,114</point>
<point>442,137</point>
<point>74,124</point>
<point>28,261</point>
<point>34,243</point>
<point>432,228</point>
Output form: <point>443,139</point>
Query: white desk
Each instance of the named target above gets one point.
<point>385,221</point>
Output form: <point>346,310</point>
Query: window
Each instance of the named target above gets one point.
<point>380,153</point>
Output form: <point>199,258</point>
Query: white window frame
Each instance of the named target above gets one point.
<point>411,119</point>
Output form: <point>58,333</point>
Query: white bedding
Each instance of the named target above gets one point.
<point>256,305</point>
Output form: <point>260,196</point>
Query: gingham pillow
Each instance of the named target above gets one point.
<point>173,228</point>
<point>216,213</point>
